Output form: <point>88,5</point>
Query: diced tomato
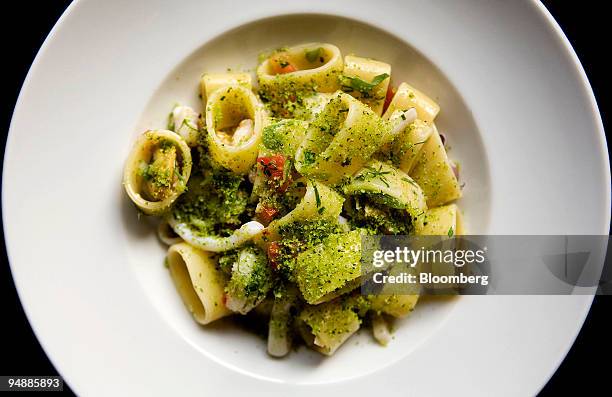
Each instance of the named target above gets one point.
<point>388,97</point>
<point>274,251</point>
<point>273,166</point>
<point>283,188</point>
<point>281,65</point>
<point>267,214</point>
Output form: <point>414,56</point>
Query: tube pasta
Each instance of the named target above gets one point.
<point>366,70</point>
<point>393,302</point>
<point>318,73</point>
<point>409,143</point>
<point>341,139</point>
<point>434,173</point>
<point>313,105</point>
<point>283,137</point>
<point>329,266</point>
<point>327,326</point>
<point>198,281</point>
<point>409,97</point>
<point>157,170</point>
<point>228,109</point>
<point>211,82</point>
<point>319,202</point>
<point>389,186</point>
<point>442,221</point>
<point>394,305</point>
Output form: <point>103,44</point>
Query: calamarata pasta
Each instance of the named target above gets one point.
<point>264,193</point>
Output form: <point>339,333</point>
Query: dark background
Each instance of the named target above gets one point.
<point>584,24</point>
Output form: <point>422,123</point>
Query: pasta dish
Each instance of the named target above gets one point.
<point>264,194</point>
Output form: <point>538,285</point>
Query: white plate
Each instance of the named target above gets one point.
<point>516,106</point>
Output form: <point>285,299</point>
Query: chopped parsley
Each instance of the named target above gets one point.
<point>356,84</point>
<point>317,197</point>
<point>373,217</point>
<point>214,203</point>
<point>373,173</point>
<point>309,157</point>
<point>313,55</point>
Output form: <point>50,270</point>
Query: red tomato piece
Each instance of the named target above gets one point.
<point>267,214</point>
<point>281,65</point>
<point>273,166</point>
<point>388,97</point>
<point>274,251</point>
